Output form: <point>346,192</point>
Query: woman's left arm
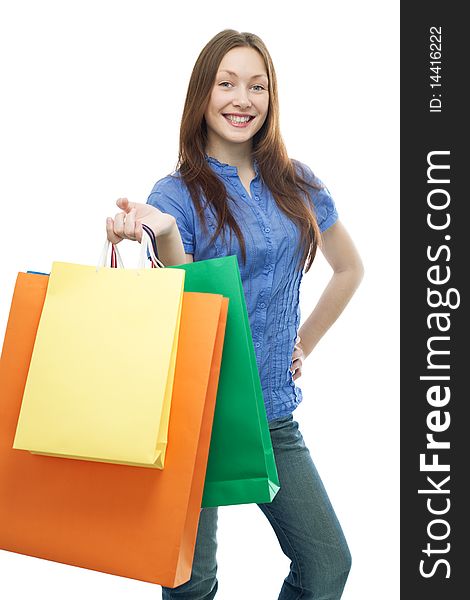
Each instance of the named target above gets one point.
<point>341,254</point>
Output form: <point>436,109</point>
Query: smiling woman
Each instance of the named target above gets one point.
<point>241,102</point>
<point>234,176</point>
<point>234,75</point>
<point>244,91</point>
<point>237,109</point>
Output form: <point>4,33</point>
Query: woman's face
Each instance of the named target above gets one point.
<point>239,101</point>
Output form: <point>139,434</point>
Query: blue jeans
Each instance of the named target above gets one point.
<point>304,522</point>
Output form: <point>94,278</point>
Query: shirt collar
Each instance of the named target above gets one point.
<point>224,168</point>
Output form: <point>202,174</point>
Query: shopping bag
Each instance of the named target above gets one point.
<point>79,400</point>
<point>241,467</point>
<point>123,520</point>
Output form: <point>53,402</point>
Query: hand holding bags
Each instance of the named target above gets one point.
<point>76,402</point>
<point>116,518</point>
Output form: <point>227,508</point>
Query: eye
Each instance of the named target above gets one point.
<point>259,86</point>
<point>225,83</point>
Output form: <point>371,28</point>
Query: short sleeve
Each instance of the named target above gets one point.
<point>325,208</point>
<point>323,203</point>
<point>169,196</point>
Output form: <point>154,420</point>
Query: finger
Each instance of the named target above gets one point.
<point>119,224</point>
<point>124,204</point>
<point>297,374</point>
<point>297,353</point>
<point>112,237</point>
<point>296,364</point>
<point>138,230</point>
<point>129,225</point>
<point>135,226</point>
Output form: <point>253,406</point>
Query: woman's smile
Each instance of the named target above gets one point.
<point>238,121</point>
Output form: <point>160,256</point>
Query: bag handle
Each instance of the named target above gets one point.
<point>152,246</point>
<point>104,255</point>
<point>147,248</point>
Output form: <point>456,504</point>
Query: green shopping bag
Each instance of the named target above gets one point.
<point>241,467</point>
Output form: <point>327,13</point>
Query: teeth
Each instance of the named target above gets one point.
<point>238,119</point>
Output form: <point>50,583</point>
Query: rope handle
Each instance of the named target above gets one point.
<point>148,249</point>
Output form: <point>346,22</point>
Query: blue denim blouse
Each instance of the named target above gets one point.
<point>270,279</point>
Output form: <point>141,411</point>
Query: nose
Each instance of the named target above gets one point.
<point>241,99</point>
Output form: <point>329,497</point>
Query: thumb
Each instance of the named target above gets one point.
<point>125,205</point>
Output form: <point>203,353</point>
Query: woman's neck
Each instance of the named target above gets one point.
<point>238,155</point>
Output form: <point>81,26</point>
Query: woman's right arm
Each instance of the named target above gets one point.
<point>128,225</point>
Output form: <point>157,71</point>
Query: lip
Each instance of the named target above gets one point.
<point>238,125</point>
<point>238,115</point>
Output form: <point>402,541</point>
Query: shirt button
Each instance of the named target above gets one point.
<point>267,230</point>
<point>257,344</point>
<point>262,305</point>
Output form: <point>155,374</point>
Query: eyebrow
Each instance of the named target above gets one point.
<point>235,75</point>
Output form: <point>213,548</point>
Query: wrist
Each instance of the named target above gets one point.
<point>168,228</point>
<point>163,227</point>
<point>304,345</point>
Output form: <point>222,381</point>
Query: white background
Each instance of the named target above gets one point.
<point>92,95</point>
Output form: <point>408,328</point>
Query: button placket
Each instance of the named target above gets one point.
<point>264,228</point>
<point>237,185</point>
<point>268,228</point>
<point>255,188</point>
<point>261,308</point>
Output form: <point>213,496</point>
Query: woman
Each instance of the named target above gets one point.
<point>236,191</point>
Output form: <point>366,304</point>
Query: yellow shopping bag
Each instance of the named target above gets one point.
<point>100,380</point>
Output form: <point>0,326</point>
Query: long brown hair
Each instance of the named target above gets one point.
<point>276,169</point>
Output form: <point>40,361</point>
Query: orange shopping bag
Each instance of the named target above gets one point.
<point>123,520</point>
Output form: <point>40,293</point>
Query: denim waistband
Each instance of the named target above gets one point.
<point>275,423</point>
